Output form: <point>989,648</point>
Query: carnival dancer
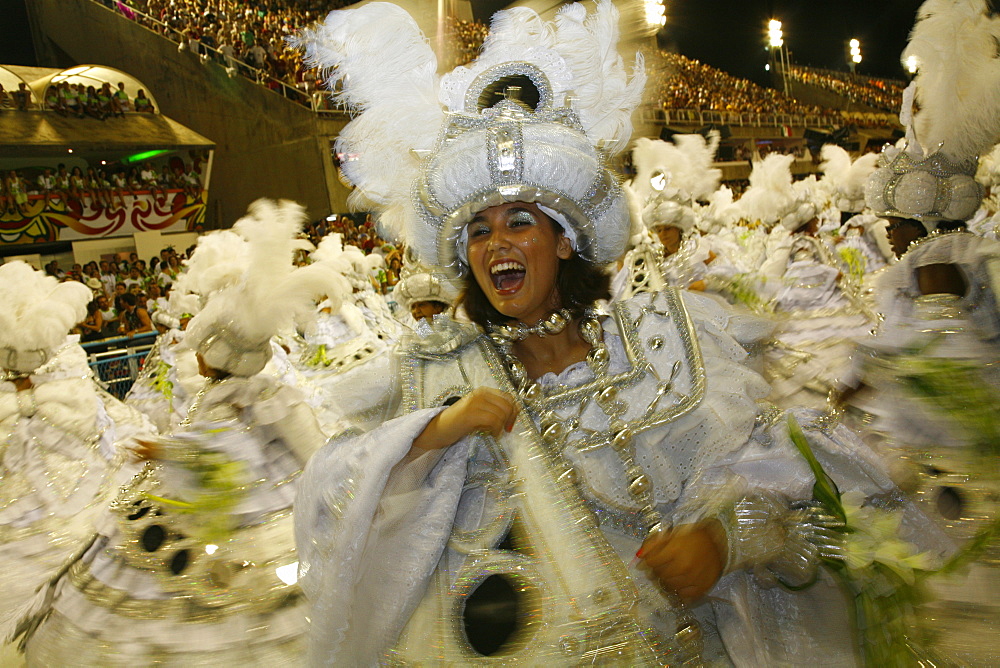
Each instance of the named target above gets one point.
<point>497,512</point>
<point>64,440</point>
<point>818,320</point>
<point>670,177</point>
<point>423,293</point>
<point>195,564</point>
<point>170,379</point>
<point>928,378</point>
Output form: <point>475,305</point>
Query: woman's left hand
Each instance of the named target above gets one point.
<point>687,560</point>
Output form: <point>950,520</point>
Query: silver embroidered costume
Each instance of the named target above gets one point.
<point>392,546</point>
<point>194,563</point>
<point>932,387</point>
<point>61,461</point>
<point>165,582</point>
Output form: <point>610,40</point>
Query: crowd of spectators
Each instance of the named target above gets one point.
<point>685,83</point>
<point>126,291</point>
<point>884,94</point>
<point>20,99</point>
<point>464,39</point>
<point>78,100</point>
<point>248,38</point>
<point>103,186</point>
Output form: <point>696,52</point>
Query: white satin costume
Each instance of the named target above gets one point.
<point>195,561</point>
<point>62,452</point>
<point>393,546</point>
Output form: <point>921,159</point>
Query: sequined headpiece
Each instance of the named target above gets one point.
<point>930,189</point>
<point>533,119</point>
<point>420,283</point>
<point>957,90</point>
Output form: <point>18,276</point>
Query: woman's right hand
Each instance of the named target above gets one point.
<point>483,410</point>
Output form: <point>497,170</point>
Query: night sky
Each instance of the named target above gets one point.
<point>728,34</point>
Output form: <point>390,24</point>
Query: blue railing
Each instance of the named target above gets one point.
<point>117,362</point>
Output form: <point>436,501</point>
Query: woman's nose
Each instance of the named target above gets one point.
<point>498,238</point>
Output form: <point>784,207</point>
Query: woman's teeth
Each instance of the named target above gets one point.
<point>507,276</point>
<point>506,266</point>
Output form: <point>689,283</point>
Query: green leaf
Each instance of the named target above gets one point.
<point>825,489</point>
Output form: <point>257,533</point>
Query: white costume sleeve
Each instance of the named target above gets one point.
<point>371,523</point>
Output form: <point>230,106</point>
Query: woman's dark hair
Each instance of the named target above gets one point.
<point>579,283</point>
<point>129,299</point>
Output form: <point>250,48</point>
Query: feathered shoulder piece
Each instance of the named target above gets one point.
<point>36,314</point>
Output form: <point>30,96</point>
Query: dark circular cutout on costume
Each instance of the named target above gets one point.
<point>153,537</point>
<point>491,614</point>
<point>140,512</point>
<point>517,87</point>
<point>179,562</point>
<point>950,503</point>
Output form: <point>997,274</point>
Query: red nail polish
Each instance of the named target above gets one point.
<point>639,553</point>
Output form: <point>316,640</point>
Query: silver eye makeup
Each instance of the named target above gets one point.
<point>521,217</point>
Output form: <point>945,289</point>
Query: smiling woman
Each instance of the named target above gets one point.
<point>563,481</point>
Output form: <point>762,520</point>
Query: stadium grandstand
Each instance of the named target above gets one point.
<point>222,69</point>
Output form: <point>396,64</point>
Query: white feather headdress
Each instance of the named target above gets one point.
<point>955,43</point>
<point>36,314</point>
<point>219,260</point>
<point>843,179</point>
<point>670,176</point>
<point>428,152</point>
<point>233,330</point>
<point>773,197</point>
<point>957,90</point>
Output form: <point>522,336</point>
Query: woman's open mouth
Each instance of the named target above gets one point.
<point>507,276</point>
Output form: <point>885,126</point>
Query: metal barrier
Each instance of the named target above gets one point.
<point>116,366</point>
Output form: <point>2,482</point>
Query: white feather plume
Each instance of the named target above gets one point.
<point>843,179</point>
<point>272,294</point>
<point>219,260</point>
<point>37,311</point>
<point>988,173</point>
<point>770,190</point>
<point>604,95</point>
<point>687,162</point>
<point>723,210</point>
<point>957,47</point>
<point>393,82</point>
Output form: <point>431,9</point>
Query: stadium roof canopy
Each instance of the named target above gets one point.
<point>46,134</point>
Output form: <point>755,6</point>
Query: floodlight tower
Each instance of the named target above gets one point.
<point>779,54</point>
<point>854,54</point>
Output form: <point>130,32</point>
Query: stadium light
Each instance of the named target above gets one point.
<point>855,53</point>
<point>774,34</point>
<point>656,13</point>
<point>779,54</point>
<point>912,65</point>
